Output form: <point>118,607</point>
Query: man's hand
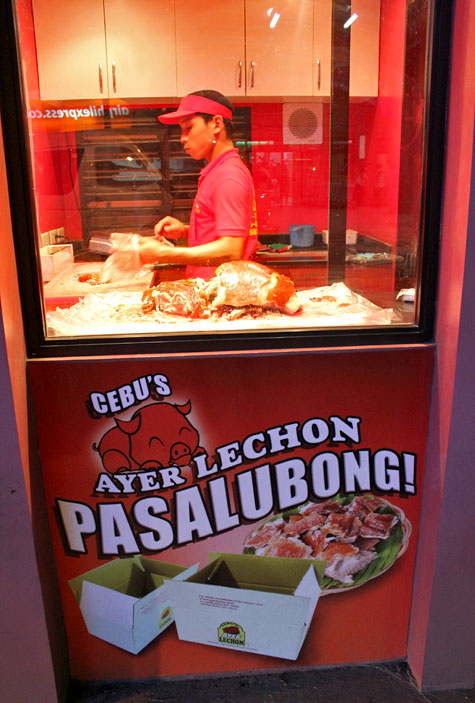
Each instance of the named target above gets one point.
<point>171,227</point>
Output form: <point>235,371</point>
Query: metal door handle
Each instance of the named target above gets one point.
<point>240,75</point>
<point>252,71</point>
<point>114,82</point>
<point>319,75</point>
<point>101,82</point>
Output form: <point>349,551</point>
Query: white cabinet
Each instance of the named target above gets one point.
<point>247,47</point>
<point>244,47</point>
<point>279,47</point>
<point>210,46</point>
<point>141,48</point>
<point>88,49</point>
<point>71,49</point>
<point>364,48</point>
<point>295,59</point>
<point>322,47</point>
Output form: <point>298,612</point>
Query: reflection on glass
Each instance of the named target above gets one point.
<point>105,165</point>
<point>350,21</point>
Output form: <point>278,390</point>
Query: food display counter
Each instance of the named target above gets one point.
<point>79,301</point>
<point>368,262</point>
<point>81,278</point>
<point>334,158</point>
<point>277,248</point>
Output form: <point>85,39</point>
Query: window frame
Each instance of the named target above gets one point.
<point>15,132</point>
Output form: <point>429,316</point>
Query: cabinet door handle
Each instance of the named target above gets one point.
<point>101,82</point>
<point>319,75</point>
<point>240,75</point>
<point>114,81</point>
<point>252,72</point>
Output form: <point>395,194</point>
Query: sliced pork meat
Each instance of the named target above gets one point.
<point>378,525</point>
<point>361,506</point>
<point>94,279</point>
<point>345,567</point>
<point>345,535</point>
<point>287,547</point>
<point>317,540</point>
<point>262,537</point>
<point>324,508</point>
<point>344,526</point>
<point>338,550</point>
<point>299,524</point>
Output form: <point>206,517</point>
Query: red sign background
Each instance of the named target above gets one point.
<point>232,397</point>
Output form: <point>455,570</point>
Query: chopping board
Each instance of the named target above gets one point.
<point>65,287</point>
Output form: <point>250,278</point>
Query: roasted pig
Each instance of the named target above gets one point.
<point>182,298</point>
<point>240,284</point>
<point>239,289</point>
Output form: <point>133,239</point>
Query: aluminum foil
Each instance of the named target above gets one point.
<point>120,313</point>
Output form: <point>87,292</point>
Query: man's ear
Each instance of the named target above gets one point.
<point>218,124</point>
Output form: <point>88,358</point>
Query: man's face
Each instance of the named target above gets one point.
<point>197,137</point>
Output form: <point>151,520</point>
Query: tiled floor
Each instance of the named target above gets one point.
<point>385,683</point>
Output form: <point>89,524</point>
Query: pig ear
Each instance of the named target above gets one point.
<point>184,409</point>
<point>128,426</point>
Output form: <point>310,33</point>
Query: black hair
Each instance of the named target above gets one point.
<point>222,100</point>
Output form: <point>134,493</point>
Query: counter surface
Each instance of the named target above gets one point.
<point>366,251</point>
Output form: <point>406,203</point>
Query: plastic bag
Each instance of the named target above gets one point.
<point>124,262</point>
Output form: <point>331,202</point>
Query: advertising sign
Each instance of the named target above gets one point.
<point>227,512</point>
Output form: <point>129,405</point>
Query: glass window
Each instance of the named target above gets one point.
<point>330,121</point>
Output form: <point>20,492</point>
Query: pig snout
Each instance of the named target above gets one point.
<point>180,454</point>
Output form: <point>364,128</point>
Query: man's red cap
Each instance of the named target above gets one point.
<point>191,104</point>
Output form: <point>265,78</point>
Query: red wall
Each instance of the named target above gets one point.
<point>444,653</point>
<point>291,180</point>
<point>374,180</point>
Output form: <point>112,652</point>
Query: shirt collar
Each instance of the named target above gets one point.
<point>215,162</point>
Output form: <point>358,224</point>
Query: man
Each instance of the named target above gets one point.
<point>223,222</point>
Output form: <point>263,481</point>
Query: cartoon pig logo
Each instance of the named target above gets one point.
<point>157,435</point>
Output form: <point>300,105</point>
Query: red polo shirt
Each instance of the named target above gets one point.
<point>224,206</point>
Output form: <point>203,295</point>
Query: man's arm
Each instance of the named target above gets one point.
<point>211,254</point>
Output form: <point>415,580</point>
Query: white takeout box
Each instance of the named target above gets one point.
<point>54,259</point>
<point>126,601</point>
<point>249,603</point>
<point>351,236</point>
